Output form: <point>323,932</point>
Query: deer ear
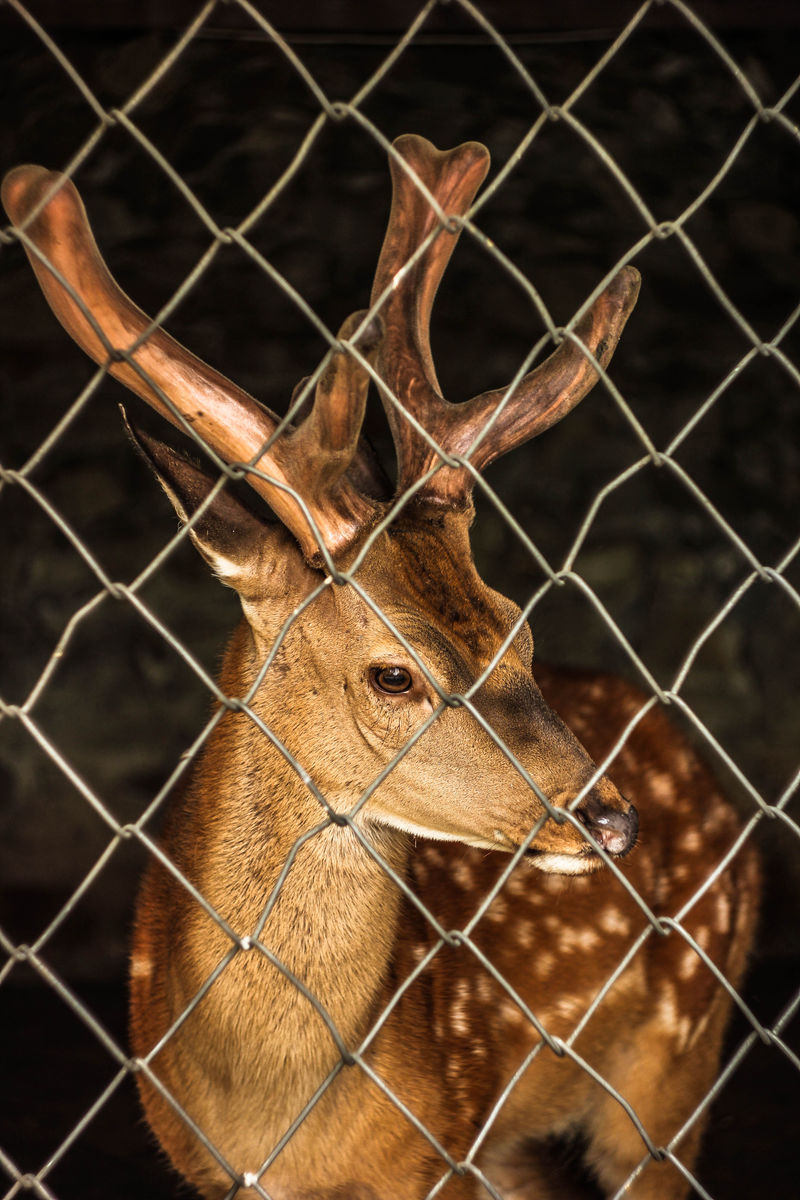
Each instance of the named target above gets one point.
<point>228,534</point>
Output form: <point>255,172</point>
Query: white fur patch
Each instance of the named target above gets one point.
<point>613,920</point>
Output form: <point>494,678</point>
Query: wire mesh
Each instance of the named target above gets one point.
<point>237,235</point>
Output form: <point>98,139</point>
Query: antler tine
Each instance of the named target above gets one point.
<point>540,399</point>
<point>311,461</point>
<point>452,177</point>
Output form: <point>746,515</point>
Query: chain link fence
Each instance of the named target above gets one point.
<point>237,182</point>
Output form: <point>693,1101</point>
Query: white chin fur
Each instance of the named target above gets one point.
<point>565,864</point>
<point>437,835</point>
<point>552,864</point>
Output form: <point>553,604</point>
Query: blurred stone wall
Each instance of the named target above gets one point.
<point>230,114</point>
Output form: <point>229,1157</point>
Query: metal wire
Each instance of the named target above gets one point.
<point>649,230</point>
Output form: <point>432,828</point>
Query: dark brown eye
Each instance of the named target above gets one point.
<point>393,680</point>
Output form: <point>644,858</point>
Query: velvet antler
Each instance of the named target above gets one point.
<point>314,476</point>
<point>542,397</point>
<point>302,473</point>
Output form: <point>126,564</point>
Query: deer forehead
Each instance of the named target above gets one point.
<point>423,579</point>
<point>419,583</point>
<point>404,635</point>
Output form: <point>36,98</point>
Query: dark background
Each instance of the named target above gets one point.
<point>229,116</point>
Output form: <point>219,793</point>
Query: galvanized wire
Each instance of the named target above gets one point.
<point>230,239</point>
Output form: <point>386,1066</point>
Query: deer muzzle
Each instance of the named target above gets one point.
<point>611,822</point>
<point>615,829</point>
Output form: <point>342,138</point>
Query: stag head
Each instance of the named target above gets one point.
<point>381,669</point>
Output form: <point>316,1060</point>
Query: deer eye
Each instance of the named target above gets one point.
<point>392,680</point>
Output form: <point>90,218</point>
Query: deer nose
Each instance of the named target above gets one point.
<point>614,829</point>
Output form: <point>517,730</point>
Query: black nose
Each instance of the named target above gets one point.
<point>615,831</point>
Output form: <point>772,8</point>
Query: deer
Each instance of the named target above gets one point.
<point>402,936</point>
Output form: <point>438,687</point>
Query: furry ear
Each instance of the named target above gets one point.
<point>228,534</point>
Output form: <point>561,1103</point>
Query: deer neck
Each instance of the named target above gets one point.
<point>331,922</point>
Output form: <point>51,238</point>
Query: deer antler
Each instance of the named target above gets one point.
<point>542,397</point>
<point>315,477</point>
<point>307,467</point>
